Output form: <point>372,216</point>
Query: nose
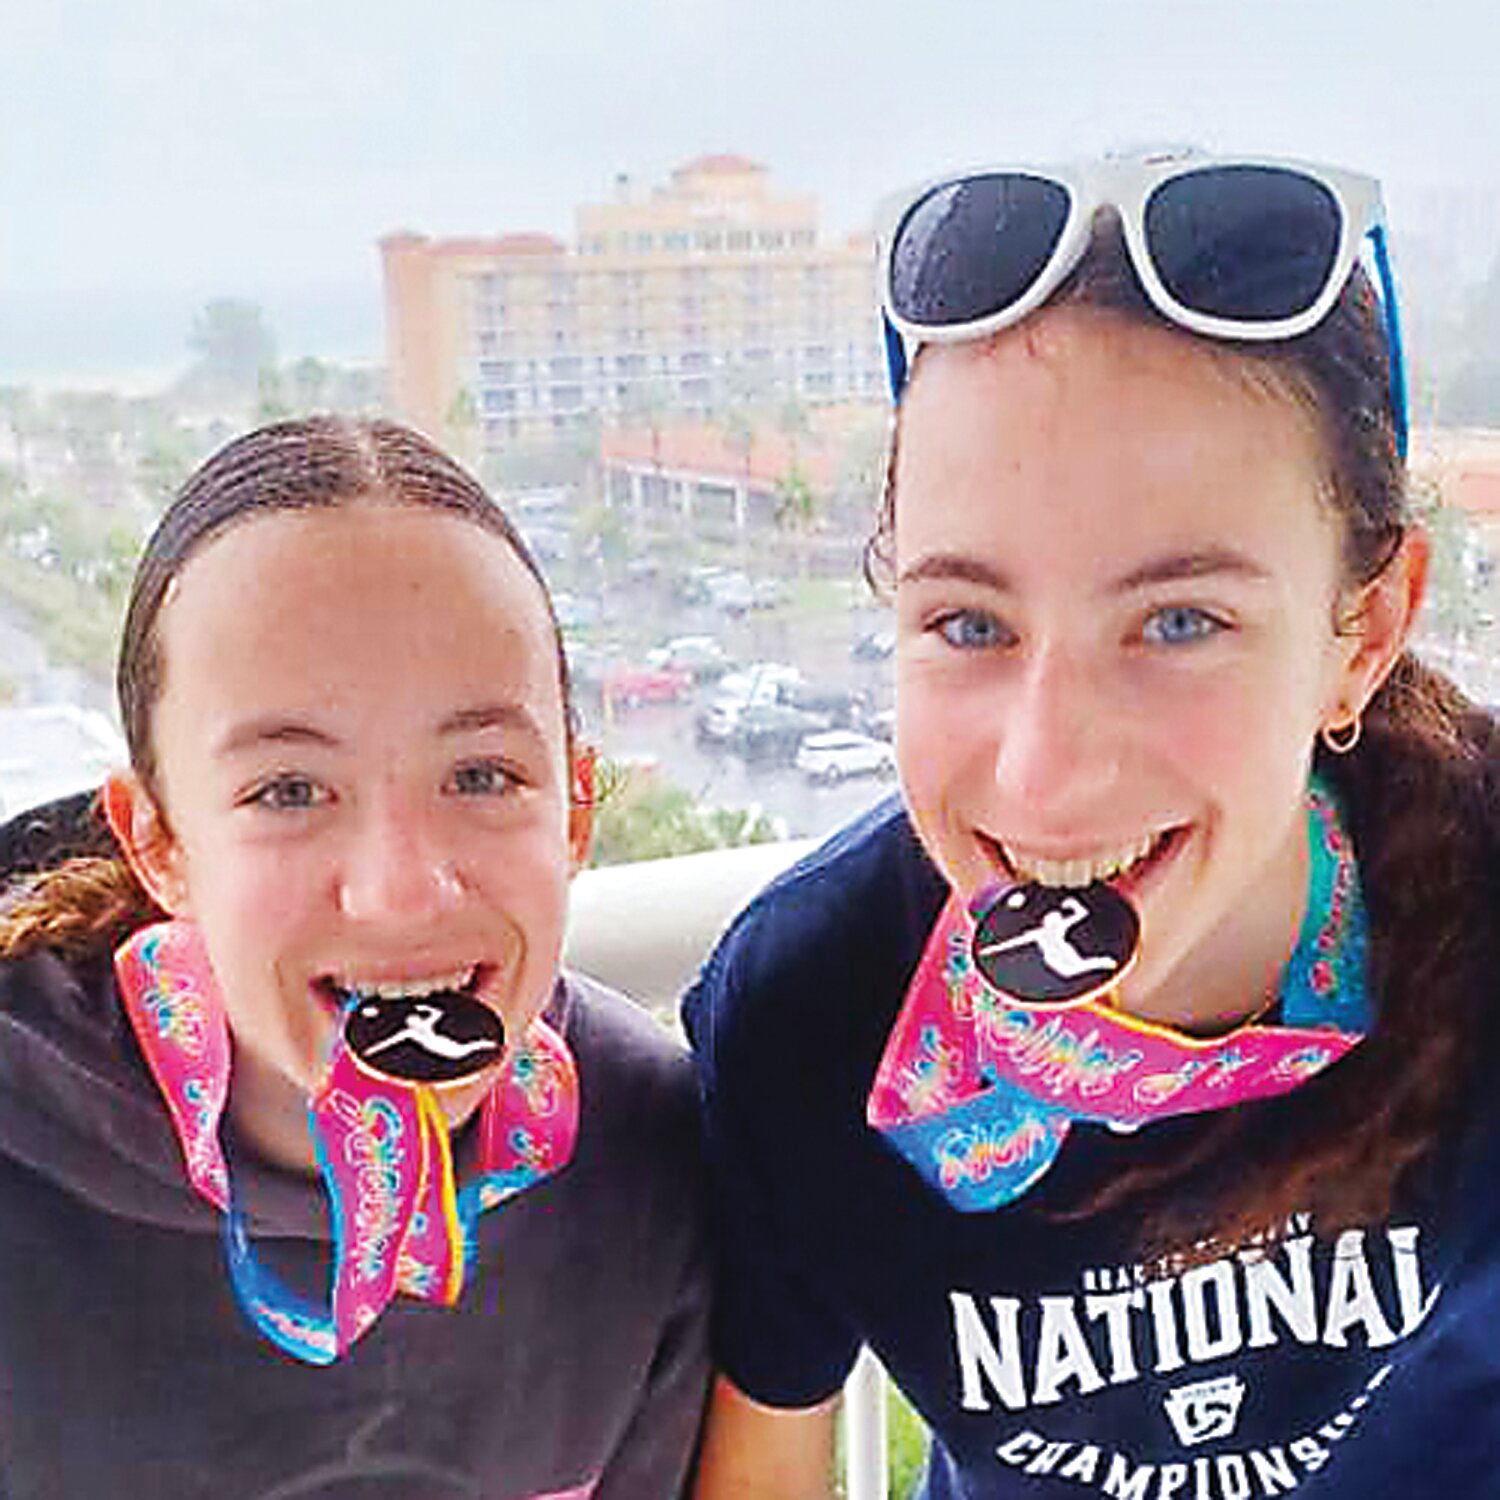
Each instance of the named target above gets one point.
<point>1057,750</point>
<point>398,867</point>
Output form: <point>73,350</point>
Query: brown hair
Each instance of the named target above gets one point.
<point>1422,810</point>
<point>310,463</point>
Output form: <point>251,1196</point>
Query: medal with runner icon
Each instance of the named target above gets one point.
<point>1055,945</point>
<point>444,1037</point>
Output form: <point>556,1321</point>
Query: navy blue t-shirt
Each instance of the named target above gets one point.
<point>1045,1361</point>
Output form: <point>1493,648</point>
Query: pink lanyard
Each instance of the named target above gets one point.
<point>400,1224</point>
<point>978,1089</point>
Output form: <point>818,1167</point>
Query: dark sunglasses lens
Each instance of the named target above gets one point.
<point>971,248</point>
<point>1254,244</point>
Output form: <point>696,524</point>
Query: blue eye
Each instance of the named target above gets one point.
<point>971,630</point>
<point>288,794</point>
<point>1179,625</point>
<point>483,778</point>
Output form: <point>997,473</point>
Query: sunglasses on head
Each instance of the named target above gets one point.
<point>1247,249</point>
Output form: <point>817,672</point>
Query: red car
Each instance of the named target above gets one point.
<point>627,685</point>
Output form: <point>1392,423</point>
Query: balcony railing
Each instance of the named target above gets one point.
<point>645,928</point>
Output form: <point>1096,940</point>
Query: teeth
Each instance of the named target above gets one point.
<point>413,989</point>
<point>1081,872</point>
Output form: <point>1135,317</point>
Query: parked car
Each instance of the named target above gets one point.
<point>700,655</point>
<point>842,707</point>
<point>573,610</point>
<point>628,684</point>
<point>733,593</point>
<point>832,756</point>
<point>761,683</point>
<point>773,731</point>
<point>874,645</point>
<point>693,587</point>
<point>768,593</point>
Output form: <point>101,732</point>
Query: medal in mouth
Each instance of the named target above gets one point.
<point>442,1037</point>
<point>1054,945</point>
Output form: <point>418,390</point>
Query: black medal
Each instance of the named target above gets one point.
<point>1053,945</point>
<point>437,1038</point>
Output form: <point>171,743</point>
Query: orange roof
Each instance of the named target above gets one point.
<point>701,449</point>
<point>501,244</point>
<point>1475,491</point>
<point>723,161</point>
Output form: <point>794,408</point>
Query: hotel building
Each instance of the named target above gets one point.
<point>691,297</point>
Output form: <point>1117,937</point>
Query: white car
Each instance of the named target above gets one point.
<point>838,753</point>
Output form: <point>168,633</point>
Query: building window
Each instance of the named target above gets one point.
<point>498,370</point>
<point>567,397</point>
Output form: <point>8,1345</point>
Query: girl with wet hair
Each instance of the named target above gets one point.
<point>317,1175</point>
<point>1125,1084</point>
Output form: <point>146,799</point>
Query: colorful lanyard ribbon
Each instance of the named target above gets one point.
<point>978,1088</point>
<point>399,1223</point>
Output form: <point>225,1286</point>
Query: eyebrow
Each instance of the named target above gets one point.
<point>491,716</point>
<point>274,730</point>
<point>271,731</point>
<point>1184,565</point>
<point>1174,568</point>
<point>952,566</point>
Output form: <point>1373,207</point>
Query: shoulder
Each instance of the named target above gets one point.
<point>635,1077</point>
<point>60,1006</point>
<point>848,919</point>
<point>614,1034</point>
<point>869,880</point>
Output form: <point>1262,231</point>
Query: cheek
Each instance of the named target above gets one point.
<point>1244,734</point>
<point>255,899</point>
<point>525,878</point>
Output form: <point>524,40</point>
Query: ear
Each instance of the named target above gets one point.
<point>1377,621</point>
<point>141,831</point>
<point>581,794</point>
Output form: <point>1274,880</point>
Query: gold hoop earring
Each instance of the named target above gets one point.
<point>1340,739</point>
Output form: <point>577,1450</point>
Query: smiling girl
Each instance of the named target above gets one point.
<point>319,1000</point>
<point>1124,1086</point>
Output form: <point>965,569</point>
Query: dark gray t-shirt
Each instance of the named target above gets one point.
<point>574,1364</point>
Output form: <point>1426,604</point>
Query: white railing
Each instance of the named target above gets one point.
<point>645,928</point>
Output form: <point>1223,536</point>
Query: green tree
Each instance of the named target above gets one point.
<point>1459,573</point>
<point>308,384</point>
<point>652,819</point>
<point>231,343</point>
<point>270,396</point>
<point>796,512</point>
<point>461,425</point>
<point>18,407</point>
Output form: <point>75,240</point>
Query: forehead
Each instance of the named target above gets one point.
<point>1112,429</point>
<point>320,608</point>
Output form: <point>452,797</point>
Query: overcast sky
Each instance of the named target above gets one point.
<point>155,153</point>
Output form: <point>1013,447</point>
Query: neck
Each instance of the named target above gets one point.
<point>269,1112</point>
<point>1232,973</point>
